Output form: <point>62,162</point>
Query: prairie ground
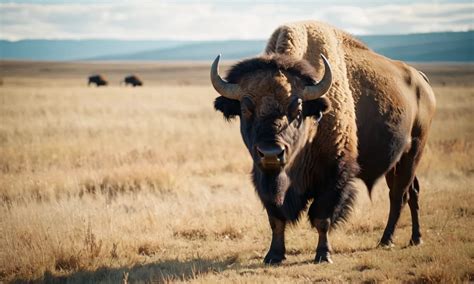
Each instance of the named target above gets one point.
<point>100,184</point>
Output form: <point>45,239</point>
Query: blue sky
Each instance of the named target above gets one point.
<point>219,19</point>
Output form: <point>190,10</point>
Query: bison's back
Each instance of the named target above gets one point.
<point>378,103</point>
<point>308,39</point>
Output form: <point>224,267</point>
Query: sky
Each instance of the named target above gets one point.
<point>222,20</point>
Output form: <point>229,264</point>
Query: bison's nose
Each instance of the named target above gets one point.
<point>271,155</point>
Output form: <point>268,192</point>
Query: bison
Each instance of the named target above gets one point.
<point>98,80</point>
<point>132,80</point>
<point>309,140</point>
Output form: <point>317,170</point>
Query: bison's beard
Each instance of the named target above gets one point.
<point>272,187</point>
<point>278,195</point>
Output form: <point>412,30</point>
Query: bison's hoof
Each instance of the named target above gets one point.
<point>385,245</point>
<point>416,242</point>
<point>323,258</point>
<point>273,259</point>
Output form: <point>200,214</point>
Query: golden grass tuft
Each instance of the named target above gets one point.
<point>148,249</point>
<point>191,234</point>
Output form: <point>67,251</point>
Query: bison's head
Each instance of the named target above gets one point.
<point>276,98</point>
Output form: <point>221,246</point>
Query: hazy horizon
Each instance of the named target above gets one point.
<point>209,40</point>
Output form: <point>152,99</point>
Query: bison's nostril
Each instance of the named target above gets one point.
<point>272,153</point>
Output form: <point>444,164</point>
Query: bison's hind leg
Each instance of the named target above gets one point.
<point>404,187</point>
<point>413,195</point>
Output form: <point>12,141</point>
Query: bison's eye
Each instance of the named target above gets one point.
<point>247,108</point>
<point>299,113</point>
<point>246,113</point>
<point>295,109</point>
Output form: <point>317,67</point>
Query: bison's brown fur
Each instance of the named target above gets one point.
<point>378,115</point>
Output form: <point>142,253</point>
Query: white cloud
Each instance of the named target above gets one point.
<point>220,20</point>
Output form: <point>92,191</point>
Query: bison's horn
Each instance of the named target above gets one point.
<point>315,91</point>
<point>228,90</point>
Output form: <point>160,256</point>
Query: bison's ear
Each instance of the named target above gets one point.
<point>229,108</point>
<point>316,107</point>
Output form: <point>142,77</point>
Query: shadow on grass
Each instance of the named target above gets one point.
<point>165,271</point>
<point>161,272</point>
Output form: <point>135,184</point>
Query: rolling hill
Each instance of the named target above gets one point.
<point>60,50</point>
<point>428,47</point>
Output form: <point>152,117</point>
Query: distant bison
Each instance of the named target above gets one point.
<point>133,80</point>
<point>98,80</point>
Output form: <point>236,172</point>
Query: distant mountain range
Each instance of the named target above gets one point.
<point>445,46</point>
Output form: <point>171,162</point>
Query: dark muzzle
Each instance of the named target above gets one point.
<point>270,156</point>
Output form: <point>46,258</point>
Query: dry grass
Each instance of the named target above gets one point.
<point>98,182</point>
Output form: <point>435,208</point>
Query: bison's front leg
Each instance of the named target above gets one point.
<point>276,254</point>
<point>323,250</point>
<point>319,213</point>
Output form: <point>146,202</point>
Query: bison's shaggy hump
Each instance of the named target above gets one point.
<point>353,42</point>
<point>272,63</point>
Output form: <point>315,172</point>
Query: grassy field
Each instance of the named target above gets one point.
<point>101,184</point>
